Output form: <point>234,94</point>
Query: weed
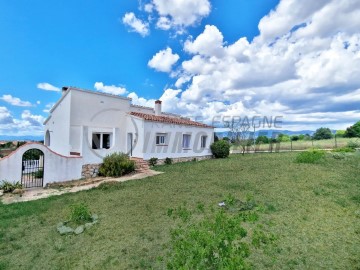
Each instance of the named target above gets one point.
<point>168,161</point>
<point>153,161</point>
<point>310,156</point>
<point>80,213</point>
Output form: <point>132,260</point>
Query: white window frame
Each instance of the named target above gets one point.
<point>160,138</point>
<point>101,143</point>
<point>203,141</point>
<point>186,142</point>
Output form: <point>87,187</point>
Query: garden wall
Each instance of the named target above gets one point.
<point>57,168</point>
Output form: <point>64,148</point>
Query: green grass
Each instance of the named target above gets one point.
<point>313,210</point>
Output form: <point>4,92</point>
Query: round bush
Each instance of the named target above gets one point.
<point>116,164</point>
<point>220,149</point>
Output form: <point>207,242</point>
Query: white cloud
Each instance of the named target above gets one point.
<point>309,73</point>
<point>48,107</point>
<point>163,60</point>
<point>31,119</point>
<point>47,87</point>
<point>110,89</point>
<point>209,43</point>
<point>135,24</point>
<point>28,124</point>
<point>5,116</point>
<point>15,101</point>
<point>182,13</point>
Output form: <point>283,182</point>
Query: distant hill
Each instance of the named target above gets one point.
<point>21,138</point>
<point>270,132</point>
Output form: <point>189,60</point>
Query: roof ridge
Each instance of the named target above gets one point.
<point>168,119</point>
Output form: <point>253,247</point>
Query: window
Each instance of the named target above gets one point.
<point>160,139</point>
<point>186,141</point>
<point>203,141</point>
<point>101,140</point>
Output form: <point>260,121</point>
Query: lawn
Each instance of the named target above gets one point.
<point>313,210</point>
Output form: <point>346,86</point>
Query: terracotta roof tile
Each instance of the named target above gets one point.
<point>167,119</point>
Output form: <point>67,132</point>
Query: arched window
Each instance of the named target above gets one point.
<point>47,138</point>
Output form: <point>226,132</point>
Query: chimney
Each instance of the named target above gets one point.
<point>157,107</point>
<point>64,89</point>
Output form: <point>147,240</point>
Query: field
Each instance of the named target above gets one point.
<point>312,210</point>
<point>302,145</point>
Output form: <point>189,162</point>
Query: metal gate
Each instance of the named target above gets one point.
<point>32,168</point>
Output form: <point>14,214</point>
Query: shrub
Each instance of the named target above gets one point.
<point>39,174</point>
<point>116,164</point>
<point>8,187</point>
<point>153,161</point>
<point>310,156</point>
<point>168,161</point>
<point>220,149</point>
<point>80,213</point>
<point>353,144</point>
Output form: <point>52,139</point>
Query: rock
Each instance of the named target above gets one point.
<point>1,193</point>
<point>65,230</point>
<point>88,225</point>
<point>95,217</point>
<point>18,191</point>
<point>79,229</point>
<point>60,224</point>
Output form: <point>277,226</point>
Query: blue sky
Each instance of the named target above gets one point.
<point>203,58</point>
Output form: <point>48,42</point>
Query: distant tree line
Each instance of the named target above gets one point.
<point>322,133</point>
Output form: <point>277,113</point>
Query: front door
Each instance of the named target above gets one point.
<point>130,144</point>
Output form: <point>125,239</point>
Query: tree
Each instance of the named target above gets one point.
<point>322,134</point>
<point>340,133</point>
<point>240,134</point>
<point>262,139</point>
<point>353,131</point>
<point>295,138</point>
<point>283,138</point>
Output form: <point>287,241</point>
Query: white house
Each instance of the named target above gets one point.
<point>92,124</point>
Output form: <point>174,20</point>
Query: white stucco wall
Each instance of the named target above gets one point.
<point>59,126</point>
<point>174,134</point>
<point>57,168</point>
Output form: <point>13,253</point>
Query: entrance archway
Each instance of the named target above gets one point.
<point>32,168</point>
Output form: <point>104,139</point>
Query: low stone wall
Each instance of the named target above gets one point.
<point>90,170</point>
<point>184,159</point>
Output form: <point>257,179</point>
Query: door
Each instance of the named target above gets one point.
<point>130,144</point>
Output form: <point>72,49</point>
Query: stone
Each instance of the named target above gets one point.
<point>65,230</point>
<point>88,225</point>
<point>60,224</point>
<point>18,191</point>
<point>1,193</point>
<point>79,229</point>
<point>95,217</point>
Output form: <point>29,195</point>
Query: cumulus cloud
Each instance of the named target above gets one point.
<point>15,101</point>
<point>169,15</point>
<point>163,60</point>
<point>27,124</point>
<point>110,89</point>
<point>135,24</point>
<point>182,13</point>
<point>303,66</point>
<point>48,87</point>
<point>5,116</point>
